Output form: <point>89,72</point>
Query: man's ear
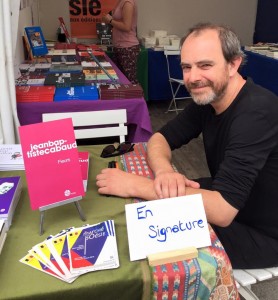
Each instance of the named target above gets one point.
<point>234,65</point>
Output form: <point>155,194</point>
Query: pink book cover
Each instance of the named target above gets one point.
<point>84,164</point>
<point>51,161</point>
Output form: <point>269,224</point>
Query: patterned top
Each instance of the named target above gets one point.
<point>209,276</point>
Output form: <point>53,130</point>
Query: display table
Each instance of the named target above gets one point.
<point>138,119</point>
<point>262,69</point>
<point>210,274</point>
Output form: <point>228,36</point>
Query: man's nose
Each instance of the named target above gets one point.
<point>194,75</point>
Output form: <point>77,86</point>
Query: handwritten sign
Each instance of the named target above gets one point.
<point>165,225</point>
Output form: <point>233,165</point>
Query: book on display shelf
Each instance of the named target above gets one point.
<point>41,68</point>
<point>36,81</point>
<point>120,91</point>
<point>36,40</point>
<point>65,79</point>
<point>64,59</point>
<point>50,155</point>
<point>10,190</point>
<point>76,93</point>
<point>65,68</point>
<point>35,93</point>
<point>64,52</point>
<point>90,73</point>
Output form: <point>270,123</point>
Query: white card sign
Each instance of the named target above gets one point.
<point>165,225</point>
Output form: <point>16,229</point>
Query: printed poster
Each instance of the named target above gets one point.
<point>84,15</point>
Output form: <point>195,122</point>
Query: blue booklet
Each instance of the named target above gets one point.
<point>36,40</point>
<point>76,93</point>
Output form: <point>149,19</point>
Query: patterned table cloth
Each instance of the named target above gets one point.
<point>209,276</point>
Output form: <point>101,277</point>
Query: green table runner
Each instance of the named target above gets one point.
<point>18,281</point>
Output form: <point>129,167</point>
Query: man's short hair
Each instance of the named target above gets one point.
<point>230,42</point>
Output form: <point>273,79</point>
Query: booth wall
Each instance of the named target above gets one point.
<point>175,16</point>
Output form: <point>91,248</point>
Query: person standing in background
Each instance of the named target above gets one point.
<point>125,42</point>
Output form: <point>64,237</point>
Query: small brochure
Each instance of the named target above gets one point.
<point>51,161</point>
<point>11,157</point>
<point>76,251</point>
<point>93,247</point>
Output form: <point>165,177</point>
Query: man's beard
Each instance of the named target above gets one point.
<point>213,95</point>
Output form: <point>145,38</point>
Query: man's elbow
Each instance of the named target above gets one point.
<point>224,220</point>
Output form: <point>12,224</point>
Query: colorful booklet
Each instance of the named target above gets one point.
<point>75,251</point>
<point>44,254</point>
<point>34,262</point>
<point>10,190</point>
<point>93,247</point>
<point>58,246</point>
<point>51,161</point>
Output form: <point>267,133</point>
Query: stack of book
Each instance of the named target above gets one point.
<point>35,93</point>
<point>3,234</point>
<point>76,251</point>
<point>10,190</point>
<point>120,91</point>
<point>22,80</point>
<point>65,79</point>
<point>102,75</point>
<point>63,56</point>
<point>76,93</point>
<point>11,157</point>
<point>37,68</point>
<point>54,52</point>
<point>90,74</point>
<point>272,52</point>
<point>64,68</point>
<point>64,59</point>
<point>33,78</point>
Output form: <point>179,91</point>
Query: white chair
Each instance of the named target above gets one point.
<point>245,278</point>
<point>175,83</point>
<point>110,123</point>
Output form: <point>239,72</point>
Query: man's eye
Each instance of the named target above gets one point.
<point>205,66</point>
<point>186,68</point>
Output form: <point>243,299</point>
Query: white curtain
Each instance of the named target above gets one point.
<point>8,114</point>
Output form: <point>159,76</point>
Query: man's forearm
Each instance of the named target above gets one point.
<point>218,211</point>
<point>159,154</point>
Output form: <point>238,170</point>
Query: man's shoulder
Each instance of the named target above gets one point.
<point>259,91</point>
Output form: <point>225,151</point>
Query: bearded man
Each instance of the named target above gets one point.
<point>239,124</point>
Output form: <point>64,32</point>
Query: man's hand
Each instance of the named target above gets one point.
<point>126,185</point>
<point>172,184</point>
